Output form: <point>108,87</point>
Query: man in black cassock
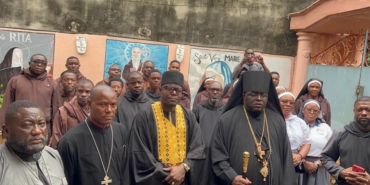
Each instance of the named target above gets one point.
<point>88,153</point>
<point>253,104</point>
<point>135,99</point>
<point>166,146</point>
<point>350,144</point>
<point>207,113</point>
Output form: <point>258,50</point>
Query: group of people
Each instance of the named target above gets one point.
<point>142,131</point>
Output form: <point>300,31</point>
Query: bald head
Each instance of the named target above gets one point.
<point>134,74</point>
<point>214,92</point>
<point>99,90</point>
<point>215,84</point>
<point>103,104</point>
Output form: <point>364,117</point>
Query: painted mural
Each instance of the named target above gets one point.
<point>131,56</point>
<point>16,48</point>
<point>211,63</point>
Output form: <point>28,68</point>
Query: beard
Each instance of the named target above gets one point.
<point>22,144</point>
<point>135,60</point>
<point>364,125</point>
<point>213,100</point>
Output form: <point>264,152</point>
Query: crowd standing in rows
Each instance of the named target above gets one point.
<point>142,131</point>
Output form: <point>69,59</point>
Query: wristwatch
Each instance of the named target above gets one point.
<point>316,163</point>
<point>186,167</point>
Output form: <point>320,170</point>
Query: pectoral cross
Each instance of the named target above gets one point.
<point>261,153</point>
<point>264,170</point>
<point>106,180</point>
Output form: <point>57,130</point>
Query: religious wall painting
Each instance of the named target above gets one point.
<point>211,63</point>
<point>16,48</point>
<point>130,56</point>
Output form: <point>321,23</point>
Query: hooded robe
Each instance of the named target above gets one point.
<point>232,137</point>
<point>128,107</point>
<point>351,145</point>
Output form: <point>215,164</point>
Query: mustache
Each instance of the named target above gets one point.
<point>38,137</point>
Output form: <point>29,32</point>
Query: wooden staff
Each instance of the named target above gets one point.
<point>245,164</point>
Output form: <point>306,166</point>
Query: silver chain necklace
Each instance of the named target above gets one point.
<point>106,178</point>
<point>29,168</point>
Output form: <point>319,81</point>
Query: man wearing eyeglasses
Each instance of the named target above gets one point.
<point>34,85</point>
<point>207,113</point>
<point>113,72</point>
<point>166,146</point>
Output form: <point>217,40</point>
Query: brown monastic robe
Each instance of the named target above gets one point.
<point>105,82</point>
<point>200,97</point>
<point>25,86</point>
<point>60,97</point>
<point>67,116</point>
<point>187,90</point>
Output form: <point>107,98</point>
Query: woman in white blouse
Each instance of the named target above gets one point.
<point>320,133</point>
<point>298,132</point>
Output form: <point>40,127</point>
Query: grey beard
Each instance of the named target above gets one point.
<point>214,100</point>
<point>22,146</point>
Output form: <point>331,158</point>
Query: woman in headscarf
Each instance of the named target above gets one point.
<point>280,89</point>
<point>202,93</point>
<point>320,133</point>
<point>11,65</point>
<point>298,132</point>
<point>313,90</point>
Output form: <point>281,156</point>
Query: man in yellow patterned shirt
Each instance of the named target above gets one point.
<point>166,146</point>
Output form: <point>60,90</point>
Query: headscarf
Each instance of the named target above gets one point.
<point>255,81</point>
<point>305,88</point>
<point>201,87</point>
<point>319,118</point>
<point>286,93</point>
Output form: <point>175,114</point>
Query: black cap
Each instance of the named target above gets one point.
<point>173,77</point>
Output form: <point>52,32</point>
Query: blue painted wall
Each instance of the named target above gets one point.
<point>339,88</point>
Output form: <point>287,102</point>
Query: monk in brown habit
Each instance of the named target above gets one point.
<point>147,66</point>
<point>73,64</point>
<point>113,72</point>
<point>31,84</point>
<point>73,112</point>
<point>66,90</point>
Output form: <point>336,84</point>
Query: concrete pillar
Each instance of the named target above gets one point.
<point>302,60</point>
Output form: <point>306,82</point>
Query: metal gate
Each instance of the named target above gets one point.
<point>342,86</point>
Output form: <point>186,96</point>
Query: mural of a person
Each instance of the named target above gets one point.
<point>11,65</point>
<point>135,64</point>
<point>217,71</point>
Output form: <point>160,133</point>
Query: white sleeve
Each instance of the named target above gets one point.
<point>306,133</point>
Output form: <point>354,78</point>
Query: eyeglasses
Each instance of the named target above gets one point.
<point>286,101</point>
<point>171,89</point>
<point>44,63</point>
<point>312,110</point>
<point>214,89</point>
<point>256,95</point>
